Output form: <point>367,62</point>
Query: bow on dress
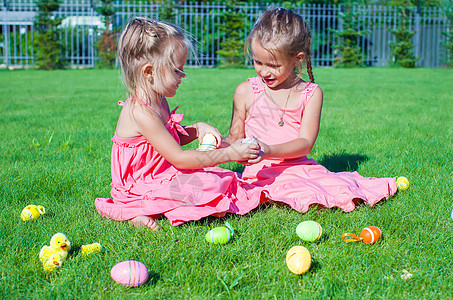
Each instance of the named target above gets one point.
<point>174,121</point>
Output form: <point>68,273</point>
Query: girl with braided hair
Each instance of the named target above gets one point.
<point>282,111</point>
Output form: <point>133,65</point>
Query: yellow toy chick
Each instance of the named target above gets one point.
<point>56,252</point>
<point>90,248</point>
<point>52,263</point>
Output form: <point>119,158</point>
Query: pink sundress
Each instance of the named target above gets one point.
<point>145,183</point>
<point>301,182</point>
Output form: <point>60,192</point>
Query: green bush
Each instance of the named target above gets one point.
<point>49,49</point>
<point>350,52</point>
<point>167,12</point>
<point>402,48</point>
<point>106,45</point>
<point>449,43</point>
<point>232,48</point>
<point>106,50</point>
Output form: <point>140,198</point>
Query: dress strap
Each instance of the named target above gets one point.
<point>307,92</point>
<point>256,85</point>
<point>144,102</point>
<point>309,89</point>
<point>121,103</point>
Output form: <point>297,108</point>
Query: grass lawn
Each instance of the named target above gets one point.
<point>55,147</point>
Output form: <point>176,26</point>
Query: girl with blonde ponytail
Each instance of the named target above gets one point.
<point>151,174</point>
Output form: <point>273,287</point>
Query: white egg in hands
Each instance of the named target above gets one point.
<point>249,140</point>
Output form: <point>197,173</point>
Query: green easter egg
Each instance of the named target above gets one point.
<point>220,235</point>
<point>309,231</point>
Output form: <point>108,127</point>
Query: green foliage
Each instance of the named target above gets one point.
<point>417,3</point>
<point>232,47</point>
<point>402,48</point>
<point>167,11</point>
<point>50,51</point>
<point>449,36</point>
<point>107,10</point>
<point>350,55</point>
<point>107,43</point>
<point>292,4</point>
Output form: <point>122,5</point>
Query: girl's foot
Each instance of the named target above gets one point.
<point>144,221</point>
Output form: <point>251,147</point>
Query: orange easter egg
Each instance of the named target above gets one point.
<point>370,234</point>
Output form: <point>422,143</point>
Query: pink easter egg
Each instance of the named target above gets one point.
<point>129,273</point>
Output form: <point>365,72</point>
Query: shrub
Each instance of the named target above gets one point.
<point>402,48</point>
<point>232,48</point>
<point>449,43</point>
<point>350,51</point>
<point>50,51</point>
<point>106,45</point>
<point>167,10</point>
<point>106,50</point>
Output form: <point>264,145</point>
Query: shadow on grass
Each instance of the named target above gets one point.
<point>342,162</point>
<point>315,266</point>
<point>333,162</point>
<point>238,168</point>
<point>153,278</point>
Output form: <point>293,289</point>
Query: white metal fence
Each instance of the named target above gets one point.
<point>82,26</point>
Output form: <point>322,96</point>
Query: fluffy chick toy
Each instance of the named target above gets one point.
<point>90,249</point>
<point>56,252</point>
<point>52,263</point>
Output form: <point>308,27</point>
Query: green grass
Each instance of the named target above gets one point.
<point>55,151</point>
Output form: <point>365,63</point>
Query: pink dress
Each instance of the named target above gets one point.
<point>301,182</point>
<point>145,183</point>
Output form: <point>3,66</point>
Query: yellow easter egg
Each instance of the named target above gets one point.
<point>209,142</point>
<point>298,260</point>
<point>402,183</point>
<point>32,212</point>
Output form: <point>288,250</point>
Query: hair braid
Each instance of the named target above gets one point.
<point>309,69</point>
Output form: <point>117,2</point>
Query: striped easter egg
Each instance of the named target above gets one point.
<point>130,273</point>
<point>32,212</point>
<point>370,234</point>
<point>220,235</point>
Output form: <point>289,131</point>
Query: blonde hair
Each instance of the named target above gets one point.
<point>145,41</point>
<point>283,30</point>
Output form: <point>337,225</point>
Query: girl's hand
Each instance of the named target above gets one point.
<point>264,151</point>
<point>242,152</point>
<point>204,128</point>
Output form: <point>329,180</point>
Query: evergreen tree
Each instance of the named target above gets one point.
<point>232,48</point>
<point>449,43</point>
<point>350,51</point>
<point>167,11</point>
<point>107,42</point>
<point>50,51</point>
<point>402,48</point>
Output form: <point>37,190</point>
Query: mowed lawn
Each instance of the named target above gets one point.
<point>56,129</point>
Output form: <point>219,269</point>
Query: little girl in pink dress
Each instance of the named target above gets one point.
<point>151,174</point>
<point>283,113</point>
